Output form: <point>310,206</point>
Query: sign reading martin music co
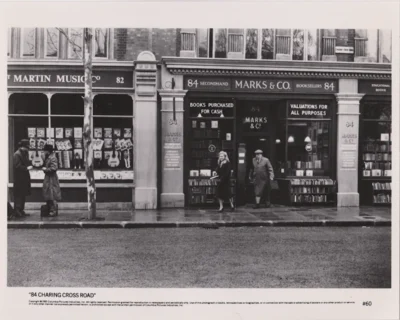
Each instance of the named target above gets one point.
<point>68,78</point>
<point>261,85</point>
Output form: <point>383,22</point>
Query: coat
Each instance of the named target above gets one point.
<point>224,184</point>
<point>262,174</point>
<point>22,178</point>
<point>51,187</point>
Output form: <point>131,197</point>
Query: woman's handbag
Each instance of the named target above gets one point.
<point>274,185</point>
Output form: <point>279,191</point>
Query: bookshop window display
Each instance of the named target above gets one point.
<point>376,153</point>
<point>212,129</point>
<point>60,123</point>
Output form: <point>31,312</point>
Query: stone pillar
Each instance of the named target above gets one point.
<point>347,143</point>
<point>172,194</point>
<point>145,131</point>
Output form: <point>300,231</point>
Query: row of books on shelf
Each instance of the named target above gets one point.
<point>310,190</point>
<point>201,199</point>
<point>303,198</point>
<point>316,164</point>
<point>377,157</point>
<point>382,198</point>
<point>61,133</point>
<point>312,182</point>
<point>377,173</point>
<point>378,165</point>
<point>382,186</point>
<point>81,175</point>
<point>377,147</point>
<point>205,182</point>
<point>206,133</point>
<point>207,190</point>
<point>306,173</point>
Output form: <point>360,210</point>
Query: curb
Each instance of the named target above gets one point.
<point>202,224</point>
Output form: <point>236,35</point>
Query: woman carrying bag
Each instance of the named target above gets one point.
<point>51,186</point>
<point>224,185</point>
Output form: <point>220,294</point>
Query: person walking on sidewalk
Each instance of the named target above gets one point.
<point>262,173</point>
<point>224,185</point>
<point>51,186</point>
<point>22,178</point>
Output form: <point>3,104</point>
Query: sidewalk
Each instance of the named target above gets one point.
<point>210,218</point>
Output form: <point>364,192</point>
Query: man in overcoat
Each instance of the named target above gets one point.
<point>22,178</point>
<point>262,173</point>
<point>51,186</point>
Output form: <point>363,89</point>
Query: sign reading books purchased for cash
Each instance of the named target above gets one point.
<point>211,109</point>
<point>309,109</point>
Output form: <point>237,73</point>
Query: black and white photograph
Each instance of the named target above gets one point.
<point>207,156</point>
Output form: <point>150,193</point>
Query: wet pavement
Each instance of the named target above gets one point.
<point>275,215</point>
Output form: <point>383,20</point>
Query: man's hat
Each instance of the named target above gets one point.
<point>258,151</point>
<point>24,143</point>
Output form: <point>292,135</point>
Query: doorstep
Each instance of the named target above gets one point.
<point>276,216</point>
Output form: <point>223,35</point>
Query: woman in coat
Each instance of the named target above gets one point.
<point>51,186</point>
<point>224,185</point>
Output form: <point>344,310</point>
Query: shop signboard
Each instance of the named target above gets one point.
<point>343,49</point>
<point>261,85</point>
<point>309,109</point>
<point>211,109</point>
<point>255,119</point>
<point>111,79</point>
<point>374,87</point>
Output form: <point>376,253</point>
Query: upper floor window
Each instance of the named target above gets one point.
<point>28,42</point>
<point>9,35</point>
<point>75,43</point>
<point>52,42</point>
<point>385,46</point>
<point>100,42</point>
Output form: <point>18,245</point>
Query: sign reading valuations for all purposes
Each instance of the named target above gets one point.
<point>307,109</point>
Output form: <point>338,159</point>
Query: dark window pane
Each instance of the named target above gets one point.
<point>67,104</point>
<point>28,103</point>
<point>374,129</point>
<point>113,105</point>
<point>251,43</point>
<point>101,42</point>
<point>377,111</point>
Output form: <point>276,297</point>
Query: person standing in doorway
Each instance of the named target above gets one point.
<point>261,173</point>
<point>22,178</point>
<point>224,185</point>
<point>51,186</point>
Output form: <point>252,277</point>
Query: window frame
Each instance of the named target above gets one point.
<point>107,51</point>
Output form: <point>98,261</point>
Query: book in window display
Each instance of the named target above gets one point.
<point>69,133</point>
<point>59,133</point>
<point>127,133</point>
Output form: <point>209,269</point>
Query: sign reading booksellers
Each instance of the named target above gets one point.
<point>261,85</point>
<point>68,78</point>
<point>308,109</point>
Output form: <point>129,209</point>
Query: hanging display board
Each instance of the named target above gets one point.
<point>309,109</point>
<point>211,109</point>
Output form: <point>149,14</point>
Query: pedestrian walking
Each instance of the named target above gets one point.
<point>223,171</point>
<point>51,186</point>
<point>262,174</point>
<point>22,178</point>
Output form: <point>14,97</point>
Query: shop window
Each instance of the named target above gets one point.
<point>283,41</point>
<point>377,111</point>
<point>385,46</point>
<point>251,43</point>
<point>28,42</point>
<point>75,43</point>
<point>52,41</point>
<point>220,43</point>
<point>202,42</point>
<point>101,42</point>
<point>308,148</point>
<point>267,47</point>
<point>28,104</point>
<point>67,104</point>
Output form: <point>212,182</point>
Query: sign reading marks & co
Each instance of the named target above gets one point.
<point>260,85</point>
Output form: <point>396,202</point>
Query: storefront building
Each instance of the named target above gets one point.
<point>166,101</point>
